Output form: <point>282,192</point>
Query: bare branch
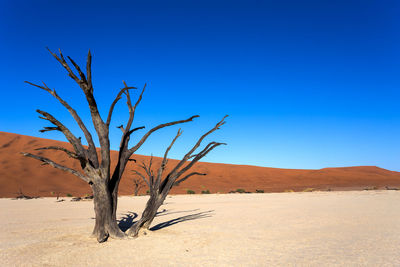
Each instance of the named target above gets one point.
<point>57,166</point>
<point>177,182</point>
<point>81,74</point>
<point>117,98</point>
<point>39,86</point>
<point>131,110</point>
<point>65,65</point>
<point>189,154</point>
<point>140,143</point>
<point>142,176</point>
<point>199,156</point>
<point>92,148</point>
<point>89,70</point>
<point>67,133</point>
<point>140,97</point>
<point>135,129</point>
<point>164,161</point>
<point>69,153</point>
<point>48,129</point>
<point>124,154</point>
<point>146,168</point>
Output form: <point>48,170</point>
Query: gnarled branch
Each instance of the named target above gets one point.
<point>57,166</point>
<point>76,143</point>
<point>92,155</point>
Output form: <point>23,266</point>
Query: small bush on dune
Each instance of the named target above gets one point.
<point>69,195</point>
<point>240,190</point>
<point>205,191</point>
<point>259,191</point>
<point>190,191</point>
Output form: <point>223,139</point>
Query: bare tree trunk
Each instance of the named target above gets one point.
<point>148,215</point>
<point>105,226</point>
<point>114,186</point>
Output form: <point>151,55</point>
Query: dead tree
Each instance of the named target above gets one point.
<point>160,184</point>
<point>138,184</point>
<point>96,170</point>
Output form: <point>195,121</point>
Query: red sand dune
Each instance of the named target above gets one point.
<point>19,172</point>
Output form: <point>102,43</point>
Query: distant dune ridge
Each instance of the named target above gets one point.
<point>26,174</point>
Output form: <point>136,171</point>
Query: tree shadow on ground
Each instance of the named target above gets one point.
<point>128,218</point>
<point>127,221</point>
<point>200,215</point>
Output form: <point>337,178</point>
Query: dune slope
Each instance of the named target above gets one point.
<point>26,174</point>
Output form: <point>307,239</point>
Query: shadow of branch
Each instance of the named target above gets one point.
<point>168,212</point>
<point>127,221</point>
<point>189,217</point>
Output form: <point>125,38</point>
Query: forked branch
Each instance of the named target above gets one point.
<point>202,153</point>
<point>117,98</point>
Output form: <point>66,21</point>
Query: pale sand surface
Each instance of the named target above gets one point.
<point>286,229</point>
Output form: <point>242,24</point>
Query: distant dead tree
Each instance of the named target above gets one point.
<point>96,169</point>
<point>160,184</point>
<point>138,184</point>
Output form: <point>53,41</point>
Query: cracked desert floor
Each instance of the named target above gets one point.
<point>353,228</point>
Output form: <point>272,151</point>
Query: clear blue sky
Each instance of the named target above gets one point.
<point>307,84</point>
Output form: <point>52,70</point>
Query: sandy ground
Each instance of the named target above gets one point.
<point>287,229</point>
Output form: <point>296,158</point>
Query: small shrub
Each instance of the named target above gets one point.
<point>190,191</point>
<point>392,188</point>
<point>240,190</point>
<point>259,191</point>
<point>232,192</point>
<point>371,188</point>
<point>147,192</point>
<point>308,190</point>
<point>69,195</point>
<point>205,191</point>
